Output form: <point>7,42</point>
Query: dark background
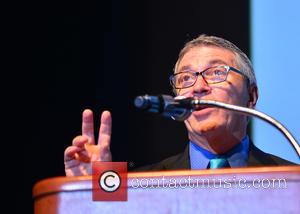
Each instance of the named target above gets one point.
<point>101,55</point>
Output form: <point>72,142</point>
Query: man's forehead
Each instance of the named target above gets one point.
<point>210,55</point>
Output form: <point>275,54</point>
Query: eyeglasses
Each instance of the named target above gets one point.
<point>211,75</point>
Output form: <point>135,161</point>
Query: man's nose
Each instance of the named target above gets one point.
<point>201,86</point>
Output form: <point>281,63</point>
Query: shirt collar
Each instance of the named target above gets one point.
<point>237,157</point>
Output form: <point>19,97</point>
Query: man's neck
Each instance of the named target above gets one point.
<point>216,144</point>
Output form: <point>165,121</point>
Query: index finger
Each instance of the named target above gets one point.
<point>88,125</point>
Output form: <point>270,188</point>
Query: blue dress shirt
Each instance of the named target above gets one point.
<point>237,157</point>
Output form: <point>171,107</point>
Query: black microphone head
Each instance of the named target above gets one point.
<point>178,109</point>
<point>150,103</point>
<point>142,102</point>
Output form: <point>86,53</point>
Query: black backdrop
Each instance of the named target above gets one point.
<point>101,55</point>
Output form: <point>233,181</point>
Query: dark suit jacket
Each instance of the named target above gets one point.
<point>182,160</point>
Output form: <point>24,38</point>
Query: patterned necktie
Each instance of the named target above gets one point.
<point>218,163</point>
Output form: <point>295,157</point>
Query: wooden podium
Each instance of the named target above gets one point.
<point>239,190</point>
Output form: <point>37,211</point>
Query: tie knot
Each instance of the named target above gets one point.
<point>218,163</point>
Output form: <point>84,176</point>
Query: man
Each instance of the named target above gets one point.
<point>209,68</point>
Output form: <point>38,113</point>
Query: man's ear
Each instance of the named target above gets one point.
<point>253,96</point>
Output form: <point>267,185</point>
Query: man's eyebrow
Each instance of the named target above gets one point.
<point>210,63</point>
<point>185,68</point>
<point>217,61</point>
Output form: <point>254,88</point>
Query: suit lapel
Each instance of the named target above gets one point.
<point>180,161</point>
<point>260,158</point>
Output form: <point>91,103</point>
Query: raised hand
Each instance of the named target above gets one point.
<point>84,150</point>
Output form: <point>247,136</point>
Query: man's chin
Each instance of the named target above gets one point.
<point>208,127</point>
<point>202,125</point>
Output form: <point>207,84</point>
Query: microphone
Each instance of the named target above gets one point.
<point>178,108</point>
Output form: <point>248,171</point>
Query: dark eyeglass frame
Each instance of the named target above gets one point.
<point>228,68</point>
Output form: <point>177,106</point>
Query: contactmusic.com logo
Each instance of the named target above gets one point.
<point>109,181</point>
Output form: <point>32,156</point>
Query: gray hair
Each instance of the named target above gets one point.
<point>241,59</point>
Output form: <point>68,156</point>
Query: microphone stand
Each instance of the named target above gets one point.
<point>197,103</point>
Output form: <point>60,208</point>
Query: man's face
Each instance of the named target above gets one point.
<point>215,122</point>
